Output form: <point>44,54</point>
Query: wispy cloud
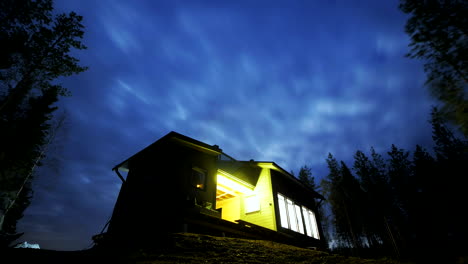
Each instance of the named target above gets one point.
<point>287,82</point>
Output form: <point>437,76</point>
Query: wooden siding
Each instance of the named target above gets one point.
<point>266,216</point>
<point>230,209</point>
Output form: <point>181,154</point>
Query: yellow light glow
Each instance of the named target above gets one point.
<point>233,185</point>
<point>267,165</point>
<point>252,204</point>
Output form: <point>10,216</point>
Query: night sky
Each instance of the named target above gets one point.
<point>282,81</point>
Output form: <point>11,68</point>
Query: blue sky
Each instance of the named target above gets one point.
<point>283,81</point>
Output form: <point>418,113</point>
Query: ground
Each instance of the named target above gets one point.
<point>194,248</point>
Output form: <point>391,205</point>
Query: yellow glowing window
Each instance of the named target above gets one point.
<point>198,178</point>
<point>252,204</point>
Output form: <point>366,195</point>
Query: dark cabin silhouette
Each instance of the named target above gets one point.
<point>179,184</point>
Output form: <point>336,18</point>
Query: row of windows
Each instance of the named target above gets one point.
<point>293,216</point>
<point>296,217</point>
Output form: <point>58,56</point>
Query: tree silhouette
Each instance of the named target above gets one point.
<point>405,205</point>
<point>35,52</point>
<point>452,164</point>
<point>439,36</point>
<point>305,175</point>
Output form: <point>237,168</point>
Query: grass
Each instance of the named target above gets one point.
<point>193,248</point>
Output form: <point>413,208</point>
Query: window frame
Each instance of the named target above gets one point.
<point>296,217</point>
<point>198,178</point>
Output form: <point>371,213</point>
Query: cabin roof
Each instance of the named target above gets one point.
<point>247,171</point>
<point>176,137</point>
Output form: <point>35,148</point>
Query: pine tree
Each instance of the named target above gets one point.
<point>305,175</point>
<point>329,186</point>
<point>372,203</point>
<point>378,204</point>
<point>452,165</point>
<point>422,216</point>
<point>403,191</point>
<point>345,197</point>
<point>353,198</point>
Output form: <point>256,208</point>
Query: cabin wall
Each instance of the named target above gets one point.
<point>266,215</point>
<point>230,209</point>
<point>158,189</point>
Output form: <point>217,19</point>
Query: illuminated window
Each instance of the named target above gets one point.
<point>283,212</point>
<point>299,219</point>
<point>252,204</point>
<point>198,178</point>
<point>292,215</point>
<point>293,218</point>
<point>310,223</point>
<point>307,221</point>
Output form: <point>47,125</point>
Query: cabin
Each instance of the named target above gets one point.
<point>179,184</point>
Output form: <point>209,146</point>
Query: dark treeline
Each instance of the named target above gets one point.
<point>410,205</point>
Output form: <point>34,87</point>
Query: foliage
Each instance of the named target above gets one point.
<point>405,205</point>
<point>35,51</point>
<point>439,36</point>
<point>345,197</point>
<point>305,175</point>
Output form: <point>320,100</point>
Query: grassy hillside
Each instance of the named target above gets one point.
<point>194,248</point>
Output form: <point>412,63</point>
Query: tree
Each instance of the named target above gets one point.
<point>330,187</point>
<point>422,217</point>
<point>35,51</point>
<point>22,154</point>
<point>353,201</point>
<point>402,195</point>
<point>452,163</point>
<point>439,36</point>
<point>305,175</point>
<point>373,213</point>
<point>344,195</point>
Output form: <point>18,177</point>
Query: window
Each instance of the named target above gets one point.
<point>283,213</point>
<point>292,215</point>
<point>310,223</point>
<point>198,178</point>
<point>295,217</point>
<point>252,204</point>
<point>299,219</point>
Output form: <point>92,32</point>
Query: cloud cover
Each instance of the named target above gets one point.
<point>264,80</point>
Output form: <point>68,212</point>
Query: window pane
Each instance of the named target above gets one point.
<point>313,222</point>
<point>283,213</point>
<point>292,215</point>
<point>307,221</point>
<point>299,219</point>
